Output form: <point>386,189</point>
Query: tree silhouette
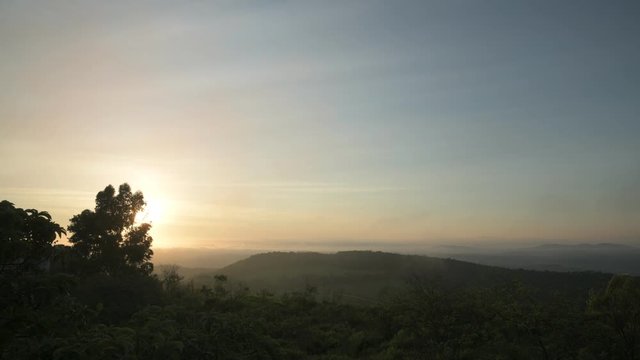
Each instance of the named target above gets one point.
<point>108,239</point>
<point>26,238</point>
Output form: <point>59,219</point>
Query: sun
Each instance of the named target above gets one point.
<point>152,213</point>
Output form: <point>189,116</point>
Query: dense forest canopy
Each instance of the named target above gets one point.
<point>99,299</point>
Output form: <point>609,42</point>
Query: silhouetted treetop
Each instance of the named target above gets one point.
<point>26,238</point>
<point>108,238</point>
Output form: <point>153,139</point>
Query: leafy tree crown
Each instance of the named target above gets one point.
<point>108,238</point>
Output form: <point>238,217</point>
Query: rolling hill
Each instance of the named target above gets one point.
<point>367,275</point>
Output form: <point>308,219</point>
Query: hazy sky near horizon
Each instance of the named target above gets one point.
<point>250,122</point>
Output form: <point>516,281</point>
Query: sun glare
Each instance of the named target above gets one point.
<point>152,213</point>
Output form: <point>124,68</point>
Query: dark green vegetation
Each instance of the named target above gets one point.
<point>365,276</point>
<point>98,299</point>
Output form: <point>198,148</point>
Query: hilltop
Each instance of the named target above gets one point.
<point>367,275</point>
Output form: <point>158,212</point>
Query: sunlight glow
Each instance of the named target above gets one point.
<point>152,213</point>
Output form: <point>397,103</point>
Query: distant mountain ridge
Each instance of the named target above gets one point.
<point>368,274</point>
<point>604,257</point>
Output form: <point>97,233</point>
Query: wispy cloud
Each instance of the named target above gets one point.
<point>311,187</point>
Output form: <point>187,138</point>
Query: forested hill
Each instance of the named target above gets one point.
<point>369,274</point>
<point>101,299</point>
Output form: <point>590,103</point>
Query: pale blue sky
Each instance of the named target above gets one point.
<point>255,121</point>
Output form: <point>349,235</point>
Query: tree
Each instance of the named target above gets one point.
<point>26,238</point>
<point>108,239</point>
<point>171,278</point>
<point>618,306</point>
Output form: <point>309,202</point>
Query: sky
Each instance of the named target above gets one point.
<point>278,123</point>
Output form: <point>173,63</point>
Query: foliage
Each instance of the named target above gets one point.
<point>26,238</point>
<point>618,308</point>
<point>108,239</point>
<point>170,279</point>
<point>97,303</point>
